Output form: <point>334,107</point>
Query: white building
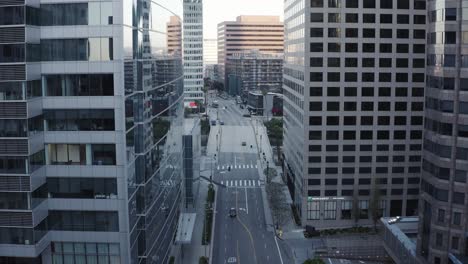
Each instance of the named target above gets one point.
<point>353,83</point>
<point>193,50</point>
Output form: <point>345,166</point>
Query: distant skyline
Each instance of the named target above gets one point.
<point>217,11</point>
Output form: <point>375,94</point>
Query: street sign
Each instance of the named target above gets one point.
<point>232,260</point>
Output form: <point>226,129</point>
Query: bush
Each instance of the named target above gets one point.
<point>211,194</point>
<point>172,260</point>
<point>205,127</point>
<point>203,260</point>
<point>314,261</point>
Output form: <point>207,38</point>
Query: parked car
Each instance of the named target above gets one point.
<point>246,115</point>
<point>310,232</point>
<point>244,143</point>
<point>221,122</point>
<point>213,122</point>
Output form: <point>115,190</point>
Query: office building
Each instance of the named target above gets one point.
<point>174,35</point>
<point>193,50</point>
<point>253,71</point>
<point>353,105</point>
<point>247,33</point>
<point>444,190</point>
<point>91,122</point>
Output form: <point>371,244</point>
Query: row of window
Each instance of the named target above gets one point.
<point>400,77</point>
<point>443,173</point>
<point>352,148</point>
<point>20,90</point>
<point>89,253</point>
<point>366,33</point>
<point>353,47</point>
<point>368,91</point>
<point>82,188</point>
<point>364,170</point>
<point>90,49</point>
<point>362,192</point>
<point>79,120</point>
<point>22,165</point>
<point>98,221</point>
<point>441,194</point>
<point>384,4</point>
<point>366,18</point>
<point>363,159</point>
<point>84,154</point>
<point>362,181</point>
<point>446,106</point>
<point>79,85</point>
<point>352,120</point>
<point>368,106</point>
<point>366,62</point>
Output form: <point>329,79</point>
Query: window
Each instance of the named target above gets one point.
<point>403,4</point>
<point>450,14</point>
<point>79,120</point>
<point>329,210</point>
<point>346,209</point>
<point>334,18</point>
<point>316,62</point>
<point>103,154</point>
<point>67,154</point>
<point>368,18</point>
<point>441,216</point>
<point>386,4</point>
<point>316,17</point>
<point>316,32</point>
<point>369,3</point>
<point>386,18</point>
<point>99,13</point>
<point>364,209</point>
<point>334,47</point>
<point>455,242</point>
<point>368,33</point>
<point>351,18</point>
<point>316,47</point>
<point>316,3</point>
<point>79,85</point>
<point>352,3</point>
<point>333,62</point>
<point>457,216</point>
<point>313,210</point>
<point>334,3</point>
<point>334,32</point>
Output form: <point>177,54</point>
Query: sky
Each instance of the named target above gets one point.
<point>216,11</point>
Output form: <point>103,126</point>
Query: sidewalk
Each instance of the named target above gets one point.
<point>193,252</point>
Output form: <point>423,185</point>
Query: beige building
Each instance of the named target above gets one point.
<point>174,35</point>
<point>247,33</point>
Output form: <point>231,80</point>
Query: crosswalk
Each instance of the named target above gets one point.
<point>242,183</point>
<point>237,166</point>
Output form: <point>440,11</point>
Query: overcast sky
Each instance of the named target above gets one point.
<point>216,11</point>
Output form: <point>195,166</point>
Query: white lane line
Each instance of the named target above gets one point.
<point>222,183</point>
<point>279,252</point>
<point>235,183</point>
<point>243,166</point>
<point>235,166</point>
<point>256,166</point>
<point>222,167</point>
<point>258,183</point>
<point>249,183</point>
<point>246,203</point>
<point>217,168</point>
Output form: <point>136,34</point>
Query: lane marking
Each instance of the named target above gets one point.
<point>235,183</point>
<point>246,203</point>
<point>279,252</point>
<point>248,232</point>
<point>245,183</point>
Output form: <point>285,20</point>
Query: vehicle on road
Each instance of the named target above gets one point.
<point>246,115</point>
<point>241,107</point>
<point>221,122</point>
<point>215,104</point>
<point>232,212</point>
<point>244,143</point>
<point>213,122</point>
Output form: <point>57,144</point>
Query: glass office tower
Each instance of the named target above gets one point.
<point>90,132</point>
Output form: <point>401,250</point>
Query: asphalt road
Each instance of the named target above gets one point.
<point>243,239</point>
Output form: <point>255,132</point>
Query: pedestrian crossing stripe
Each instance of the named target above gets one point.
<point>243,166</point>
<point>242,183</point>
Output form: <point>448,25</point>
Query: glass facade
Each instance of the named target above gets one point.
<point>100,131</point>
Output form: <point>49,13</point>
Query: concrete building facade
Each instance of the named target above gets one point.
<point>444,190</point>
<point>174,35</point>
<point>91,124</point>
<point>353,108</point>
<point>193,50</point>
<point>254,71</point>
<point>247,33</point>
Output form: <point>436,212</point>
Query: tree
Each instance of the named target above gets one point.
<point>279,207</point>
<point>275,133</point>
<point>374,206</point>
<point>219,86</point>
<point>314,261</point>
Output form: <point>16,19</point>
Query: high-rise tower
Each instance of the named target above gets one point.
<point>353,108</point>
<point>91,115</point>
<point>193,50</point>
<point>442,236</point>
